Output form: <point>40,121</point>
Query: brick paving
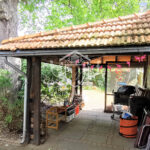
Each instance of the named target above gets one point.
<point>91,130</point>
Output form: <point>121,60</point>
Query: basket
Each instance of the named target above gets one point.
<point>128,128</point>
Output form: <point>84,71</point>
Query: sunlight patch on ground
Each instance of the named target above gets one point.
<point>93,99</point>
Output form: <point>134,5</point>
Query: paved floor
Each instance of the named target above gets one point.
<point>91,130</point>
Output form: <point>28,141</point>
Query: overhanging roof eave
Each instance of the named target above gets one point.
<point>87,51</point>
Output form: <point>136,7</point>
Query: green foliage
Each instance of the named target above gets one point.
<point>30,5</point>
<point>8,119</point>
<point>88,88</point>
<point>99,81</point>
<point>5,82</point>
<point>55,87</point>
<point>96,76</point>
<point>23,65</point>
<point>20,94</point>
<point>60,13</point>
<point>10,113</point>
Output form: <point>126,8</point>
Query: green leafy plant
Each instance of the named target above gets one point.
<point>96,76</point>
<point>11,113</point>
<point>5,82</point>
<point>54,87</point>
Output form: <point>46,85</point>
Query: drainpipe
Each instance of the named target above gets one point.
<point>25,97</point>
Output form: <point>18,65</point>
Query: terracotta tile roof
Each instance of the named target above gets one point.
<point>128,30</point>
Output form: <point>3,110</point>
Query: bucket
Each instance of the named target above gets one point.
<point>128,127</point>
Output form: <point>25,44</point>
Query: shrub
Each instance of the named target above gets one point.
<point>54,87</point>
<point>5,82</point>
<point>96,76</point>
<point>11,113</point>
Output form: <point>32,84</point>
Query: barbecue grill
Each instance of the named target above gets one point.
<point>121,97</point>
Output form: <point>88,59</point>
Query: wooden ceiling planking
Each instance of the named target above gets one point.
<point>124,58</point>
<point>96,60</point>
<point>108,59</point>
<point>99,60</point>
<point>116,58</point>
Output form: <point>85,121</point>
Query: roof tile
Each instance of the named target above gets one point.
<point>127,30</point>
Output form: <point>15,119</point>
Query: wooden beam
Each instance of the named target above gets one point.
<point>109,58</point>
<point>124,50</point>
<point>106,71</point>
<point>35,94</point>
<point>123,58</point>
<point>116,58</point>
<point>102,59</point>
<point>77,78</point>
<point>51,60</point>
<point>29,77</point>
<point>96,61</point>
<point>145,71</point>
<point>145,75</point>
<point>125,65</point>
<point>81,78</point>
<point>73,83</point>
<point>148,72</point>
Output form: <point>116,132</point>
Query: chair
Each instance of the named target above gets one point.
<point>144,131</point>
<point>54,116</point>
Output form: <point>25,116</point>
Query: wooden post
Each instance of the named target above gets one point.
<point>148,73</point>
<point>145,72</point>
<point>105,88</point>
<point>81,78</point>
<point>145,75</point>
<point>28,122</point>
<point>77,78</point>
<point>35,95</point>
<point>73,83</point>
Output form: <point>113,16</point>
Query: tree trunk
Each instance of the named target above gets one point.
<point>8,19</point>
<point>8,28</point>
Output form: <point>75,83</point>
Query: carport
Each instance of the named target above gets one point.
<point>116,40</point>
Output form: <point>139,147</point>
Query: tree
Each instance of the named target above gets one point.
<point>54,14</point>
<point>8,28</point>
<point>8,18</point>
